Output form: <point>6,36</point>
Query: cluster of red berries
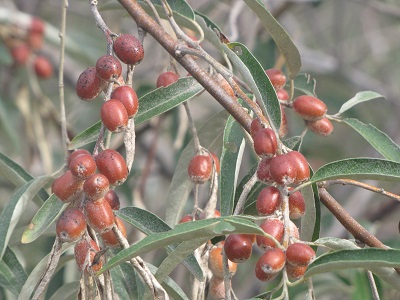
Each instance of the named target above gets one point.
<point>24,42</point>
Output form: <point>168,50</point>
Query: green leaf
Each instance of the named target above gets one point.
<point>231,158</point>
<point>12,274</point>
<point>149,223</point>
<point>43,218</point>
<point>68,291</point>
<point>17,175</point>
<point>152,104</point>
<point>207,229</point>
<point>358,168</point>
<point>210,135</point>
<point>293,142</point>
<point>258,82</point>
<point>286,46</point>
<point>15,208</point>
<point>358,258</point>
<point>358,98</point>
<point>178,6</point>
<point>378,139</point>
<point>306,84</point>
<point>5,56</point>
<point>336,243</point>
<point>310,220</point>
<point>127,283</point>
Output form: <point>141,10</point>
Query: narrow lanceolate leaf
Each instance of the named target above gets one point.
<point>195,230</point>
<point>358,258</point>
<point>306,84</point>
<point>15,208</point>
<point>309,230</point>
<point>286,46</point>
<point>178,6</point>
<point>152,104</point>
<point>149,223</point>
<point>359,168</point>
<point>17,175</point>
<point>359,98</point>
<point>43,218</point>
<point>377,139</point>
<point>258,81</point>
<point>231,159</point>
<point>336,243</point>
<point>12,274</point>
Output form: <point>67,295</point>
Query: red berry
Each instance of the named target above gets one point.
<point>111,164</point>
<point>238,247</point>
<point>35,40</point>
<point>166,78</point>
<point>20,54</point>
<point>225,85</point>
<point>71,225</point>
<point>83,166</point>
<point>309,108</point>
<point>67,188</point>
<point>216,162</point>
<point>263,170</point>
<point>302,168</point>
<point>255,126</point>
<point>217,214</point>
<point>36,26</point>
<point>270,264</point>
<point>128,97</point>
<point>277,78</point>
<point>265,143</point>
<point>89,84</point>
<point>84,249</point>
<point>109,238</point>
<point>96,186</point>
<point>128,49</point>
<point>322,127</point>
<point>268,201</point>
<point>186,218</point>
<point>282,95</point>
<point>215,263</point>
<point>295,272</point>
<point>108,67</point>
<point>297,205</point>
<point>299,254</point>
<point>113,199</point>
<point>283,129</point>
<point>75,153</point>
<point>273,227</point>
<point>114,115</point>
<point>216,289</point>
<point>43,67</point>
<point>294,230</point>
<point>283,171</point>
<point>200,168</point>
<point>99,215</point>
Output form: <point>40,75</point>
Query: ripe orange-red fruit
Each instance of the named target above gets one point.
<point>67,188</point>
<point>238,247</point>
<point>217,214</point>
<point>323,127</point>
<point>200,168</point>
<point>255,126</point>
<point>89,85</point>
<point>186,218</point>
<point>83,166</point>
<point>270,264</point>
<point>297,205</point>
<point>282,95</point>
<point>301,164</point>
<point>275,228</point>
<point>299,254</point>
<point>215,263</point>
<point>84,249</point>
<point>265,142</point>
<point>109,238</point>
<point>282,169</point>
<point>99,215</point>
<point>113,199</point>
<point>294,230</point>
<point>128,97</point>
<point>268,201</point>
<point>75,153</point>
<point>20,54</point>
<point>36,26</point>
<point>263,170</point>
<point>71,225</point>
<point>309,108</point>
<point>128,49</point>
<point>277,78</point>
<point>43,67</point>
<point>108,67</point>
<point>114,115</point>
<point>111,164</point>
<point>295,272</point>
<point>216,162</point>
<point>166,78</point>
<point>96,186</point>
<point>216,289</point>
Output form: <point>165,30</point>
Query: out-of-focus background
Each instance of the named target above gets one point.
<point>346,45</point>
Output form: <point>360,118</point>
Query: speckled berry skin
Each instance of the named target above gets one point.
<point>322,127</point>
<point>67,188</point>
<point>200,168</point>
<point>129,99</point>
<point>128,49</point>
<point>309,108</point>
<point>167,78</point>
<point>238,247</point>
<point>297,205</point>
<point>270,264</point>
<point>89,84</point>
<point>113,199</point>
<point>81,250</point>
<point>301,165</point>
<point>75,153</point>
<point>295,272</point>
<point>70,225</point>
<point>255,126</point>
<point>273,227</point>
<point>263,170</point>
<point>111,164</point>
<point>114,115</point>
<point>109,238</point>
<point>299,254</point>
<point>96,186</point>
<point>282,170</point>
<point>268,201</point>
<point>82,166</point>
<point>265,142</point>
<point>108,67</point>
<point>99,215</point>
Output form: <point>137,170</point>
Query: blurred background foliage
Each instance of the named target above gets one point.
<point>346,45</point>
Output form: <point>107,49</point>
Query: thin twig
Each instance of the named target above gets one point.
<point>243,196</point>
<point>374,289</point>
<point>102,25</point>
<point>227,275</point>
